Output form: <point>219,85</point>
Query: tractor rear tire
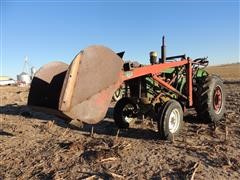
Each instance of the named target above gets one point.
<point>125,111</point>
<point>170,119</point>
<point>210,100</point>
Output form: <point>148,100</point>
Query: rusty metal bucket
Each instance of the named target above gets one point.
<point>82,90</point>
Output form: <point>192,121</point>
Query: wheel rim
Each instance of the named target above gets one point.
<point>128,113</point>
<point>217,99</point>
<point>174,120</point>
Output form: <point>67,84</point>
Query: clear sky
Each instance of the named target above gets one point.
<point>57,30</point>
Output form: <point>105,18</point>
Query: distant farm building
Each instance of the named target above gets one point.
<point>6,80</point>
<point>24,78</point>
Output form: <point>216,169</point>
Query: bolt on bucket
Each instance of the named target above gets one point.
<point>83,90</point>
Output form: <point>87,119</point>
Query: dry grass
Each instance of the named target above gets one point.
<point>228,71</point>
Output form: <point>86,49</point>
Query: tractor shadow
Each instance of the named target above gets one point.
<point>23,111</point>
<point>191,117</point>
<point>104,127</point>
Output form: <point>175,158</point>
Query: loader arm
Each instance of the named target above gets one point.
<point>157,69</point>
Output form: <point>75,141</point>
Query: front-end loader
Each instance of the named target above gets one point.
<point>162,90</point>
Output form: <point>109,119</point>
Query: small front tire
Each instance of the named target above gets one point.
<point>118,94</point>
<point>170,119</point>
<point>125,112</point>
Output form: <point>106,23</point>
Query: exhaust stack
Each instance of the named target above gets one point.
<point>163,51</point>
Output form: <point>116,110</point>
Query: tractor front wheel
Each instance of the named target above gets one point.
<point>125,112</point>
<point>170,119</point>
<point>118,94</point>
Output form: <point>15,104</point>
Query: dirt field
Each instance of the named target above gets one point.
<point>36,145</point>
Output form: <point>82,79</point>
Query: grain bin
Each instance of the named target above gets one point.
<point>33,71</point>
<point>24,78</point>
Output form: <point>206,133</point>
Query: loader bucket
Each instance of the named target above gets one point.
<point>82,90</point>
<point>47,84</point>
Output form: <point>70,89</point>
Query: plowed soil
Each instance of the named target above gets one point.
<point>36,145</point>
